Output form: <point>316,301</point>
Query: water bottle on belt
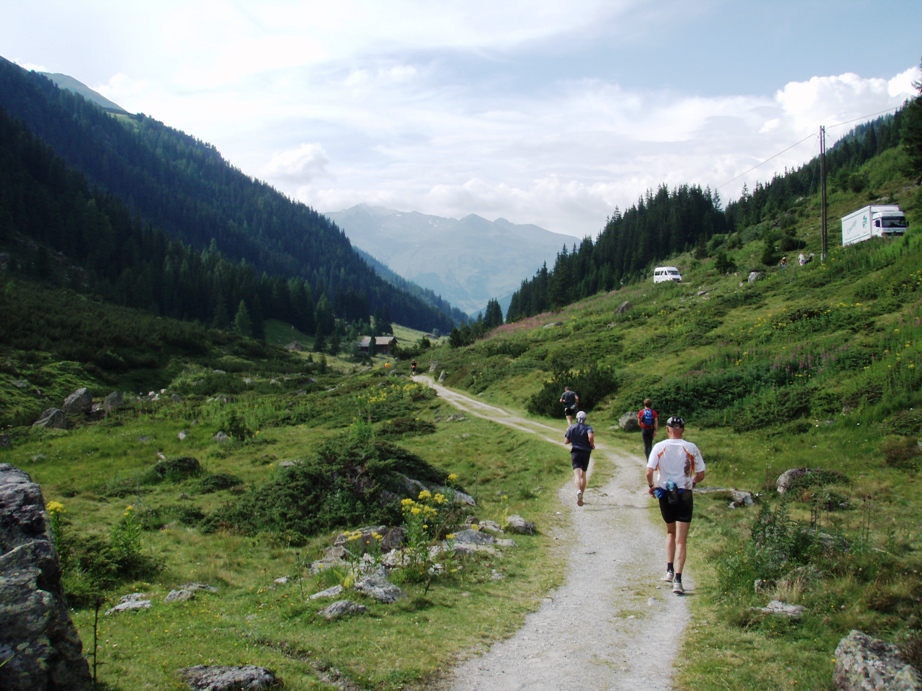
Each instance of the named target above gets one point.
<point>672,492</point>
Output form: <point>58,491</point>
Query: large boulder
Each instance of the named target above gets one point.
<point>39,645</point>
<point>53,418</point>
<point>867,664</point>
<point>628,422</point>
<point>80,402</point>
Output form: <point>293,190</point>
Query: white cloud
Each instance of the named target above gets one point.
<point>303,164</point>
<point>535,110</point>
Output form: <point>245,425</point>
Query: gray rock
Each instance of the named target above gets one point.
<point>194,587</point>
<point>243,678</point>
<point>623,307</point>
<point>754,276</point>
<point>221,437</point>
<point>130,602</point>
<point>79,402</point>
<point>868,664</point>
<point>53,418</point>
<point>380,589</point>
<point>113,402</point>
<point>179,596</point>
<point>491,526</point>
<point>517,524</point>
<point>473,537</point>
<point>342,608</point>
<point>328,593</point>
<point>39,645</point>
<point>783,609</point>
<point>628,422</point>
<point>787,478</point>
<point>6,441</point>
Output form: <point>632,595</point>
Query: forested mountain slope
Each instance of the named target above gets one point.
<point>668,222</point>
<point>178,184</point>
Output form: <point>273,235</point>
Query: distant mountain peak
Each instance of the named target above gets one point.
<point>68,83</point>
<point>466,261</point>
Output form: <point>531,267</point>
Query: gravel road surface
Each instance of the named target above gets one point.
<point>613,624</point>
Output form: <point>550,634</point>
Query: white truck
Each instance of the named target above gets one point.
<point>874,221</point>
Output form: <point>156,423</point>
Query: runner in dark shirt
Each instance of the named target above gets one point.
<point>581,439</point>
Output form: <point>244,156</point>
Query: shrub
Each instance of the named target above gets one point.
<point>405,426</point>
<point>218,482</point>
<point>901,452</point>
<point>593,385</point>
<point>353,480</point>
<point>175,470</point>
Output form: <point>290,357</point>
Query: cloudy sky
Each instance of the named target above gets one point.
<point>544,111</point>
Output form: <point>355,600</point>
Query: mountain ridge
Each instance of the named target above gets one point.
<point>447,256</point>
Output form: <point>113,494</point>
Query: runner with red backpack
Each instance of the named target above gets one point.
<point>649,425</point>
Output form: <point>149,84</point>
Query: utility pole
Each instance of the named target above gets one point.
<point>823,192</point>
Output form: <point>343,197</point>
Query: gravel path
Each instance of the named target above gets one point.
<point>612,624</point>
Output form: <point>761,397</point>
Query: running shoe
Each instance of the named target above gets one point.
<point>579,498</point>
<point>669,577</point>
<point>678,588</point>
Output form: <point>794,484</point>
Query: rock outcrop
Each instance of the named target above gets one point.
<point>39,645</point>
<point>864,663</point>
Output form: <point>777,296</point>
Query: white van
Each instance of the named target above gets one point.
<point>666,273</point>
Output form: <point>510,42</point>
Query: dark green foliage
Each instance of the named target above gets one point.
<point>906,423</point>
<point>660,225</point>
<point>351,481</point>
<point>175,469</point>
<point>405,426</point>
<point>593,385</point>
<point>218,482</point>
<point>901,452</point>
<point>911,133</point>
<point>157,178</point>
<point>91,564</point>
<point>234,426</point>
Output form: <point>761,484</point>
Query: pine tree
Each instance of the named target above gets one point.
<point>242,322</point>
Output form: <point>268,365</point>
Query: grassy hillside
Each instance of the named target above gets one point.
<point>812,366</point>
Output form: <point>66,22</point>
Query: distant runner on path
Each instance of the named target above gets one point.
<point>649,425</point>
<point>679,467</point>
<point>581,439</point>
<point>570,400</point>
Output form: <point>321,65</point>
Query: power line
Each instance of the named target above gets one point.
<point>757,165</point>
<point>840,124</point>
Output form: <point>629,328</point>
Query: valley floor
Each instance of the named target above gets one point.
<point>613,624</point>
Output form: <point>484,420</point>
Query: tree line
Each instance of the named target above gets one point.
<point>184,188</point>
<point>668,222</point>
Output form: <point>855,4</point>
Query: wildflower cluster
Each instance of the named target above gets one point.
<point>126,539</point>
<point>55,511</point>
<point>428,519</point>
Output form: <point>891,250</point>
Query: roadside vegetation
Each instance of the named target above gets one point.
<point>813,366</point>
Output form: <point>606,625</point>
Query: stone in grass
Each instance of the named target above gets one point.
<point>208,678</point>
<point>328,593</point>
<point>380,589</point>
<point>517,524</point>
<point>342,608</point>
<point>864,663</point>
<point>130,602</point>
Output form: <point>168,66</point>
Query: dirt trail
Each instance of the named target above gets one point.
<point>612,624</point>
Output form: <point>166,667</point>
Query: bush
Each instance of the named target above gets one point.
<point>405,426</point>
<point>901,452</point>
<point>175,470</point>
<point>218,482</point>
<point>593,385</point>
<point>352,480</point>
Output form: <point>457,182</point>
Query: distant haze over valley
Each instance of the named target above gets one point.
<point>466,261</point>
